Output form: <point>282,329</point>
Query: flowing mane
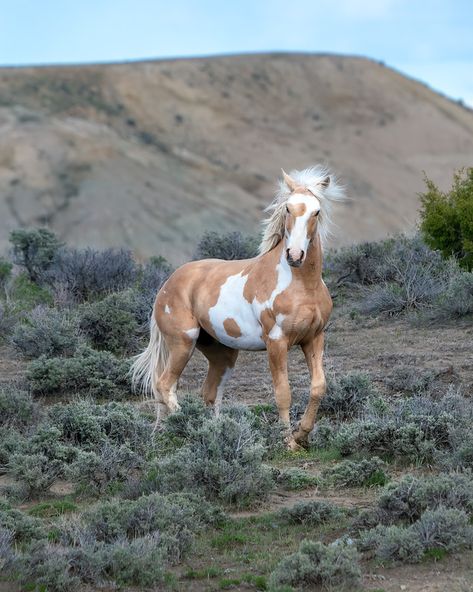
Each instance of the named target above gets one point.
<point>312,179</point>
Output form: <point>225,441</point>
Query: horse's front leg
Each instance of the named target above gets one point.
<point>277,355</point>
<point>313,352</point>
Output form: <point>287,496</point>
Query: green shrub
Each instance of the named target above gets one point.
<point>5,272</point>
<point>295,478</point>
<point>222,459</point>
<point>447,218</point>
<point>111,324</point>
<point>99,374</point>
<point>23,528</point>
<point>363,473</point>
<point>25,294</point>
<point>316,564</point>
<point>232,245</point>
<point>311,512</point>
<point>34,250</point>
<point>47,331</point>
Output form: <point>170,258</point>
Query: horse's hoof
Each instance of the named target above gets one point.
<point>293,445</point>
<point>301,438</point>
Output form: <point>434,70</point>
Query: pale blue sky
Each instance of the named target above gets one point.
<point>430,40</point>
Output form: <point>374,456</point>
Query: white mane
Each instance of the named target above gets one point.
<point>312,179</point>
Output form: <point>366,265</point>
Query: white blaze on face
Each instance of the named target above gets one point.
<point>297,240</point>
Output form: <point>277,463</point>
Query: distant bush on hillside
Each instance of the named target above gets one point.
<point>447,218</point>
<point>233,245</point>
<point>401,275</point>
<point>78,275</point>
<point>34,250</point>
<point>111,324</point>
<point>5,272</point>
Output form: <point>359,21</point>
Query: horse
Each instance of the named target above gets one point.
<point>270,302</point>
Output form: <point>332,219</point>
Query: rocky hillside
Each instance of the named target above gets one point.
<point>149,155</point>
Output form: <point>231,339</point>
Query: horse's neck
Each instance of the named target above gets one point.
<point>311,271</point>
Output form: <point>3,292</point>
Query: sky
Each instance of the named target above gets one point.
<point>428,40</point>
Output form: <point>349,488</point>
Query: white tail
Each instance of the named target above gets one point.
<point>150,363</point>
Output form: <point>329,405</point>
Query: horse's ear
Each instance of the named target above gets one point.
<point>326,182</point>
<point>289,181</point>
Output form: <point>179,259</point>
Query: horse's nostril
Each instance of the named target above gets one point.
<point>287,254</point>
<point>302,256</point>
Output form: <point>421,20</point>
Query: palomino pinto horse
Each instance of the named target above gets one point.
<point>273,301</point>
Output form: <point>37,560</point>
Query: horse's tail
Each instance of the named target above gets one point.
<point>148,365</point>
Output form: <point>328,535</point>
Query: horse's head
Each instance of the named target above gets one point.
<point>302,211</point>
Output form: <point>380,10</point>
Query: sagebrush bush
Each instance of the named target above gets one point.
<point>111,324</point>
<point>311,512</point>
<point>448,529</point>
<point>88,425</point>
<point>363,473</point>
<point>222,459</point>
<point>444,528</point>
<point>94,446</point>
<point>295,478</point>
<point>315,564</point>
<point>457,299</point>
<point>7,552</point>
<point>17,408</point>
<point>34,250</point>
<point>392,543</point>
<point>80,275</point>
<point>98,373</point>
<point>47,331</point>
<point>96,471</point>
<point>447,218</point>
<point>23,528</point>
<point>347,395</point>
<point>413,429</point>
<point>232,245</point>
<point>152,276</point>
<point>407,499</point>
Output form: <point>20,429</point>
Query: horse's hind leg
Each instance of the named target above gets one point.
<point>221,362</point>
<point>180,349</point>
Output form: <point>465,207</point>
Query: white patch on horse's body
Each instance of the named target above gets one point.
<point>218,399</point>
<point>193,333</point>
<point>277,332</point>
<point>167,310</point>
<point>232,303</point>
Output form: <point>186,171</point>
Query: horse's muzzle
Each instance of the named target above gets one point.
<point>294,262</point>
